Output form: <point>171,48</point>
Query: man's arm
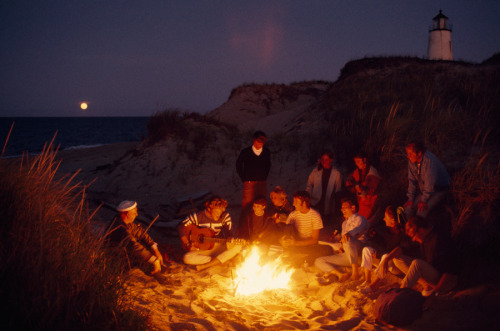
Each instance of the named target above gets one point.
<point>310,182</point>
<point>412,184</point>
<point>181,229</point>
<point>338,181</point>
<point>240,165</point>
<point>268,162</point>
<point>310,241</point>
<point>361,227</point>
<point>429,177</point>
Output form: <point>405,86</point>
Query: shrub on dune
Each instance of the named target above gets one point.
<point>56,273</point>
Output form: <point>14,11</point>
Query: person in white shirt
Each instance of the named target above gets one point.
<point>307,223</point>
<point>352,240</point>
<point>324,182</point>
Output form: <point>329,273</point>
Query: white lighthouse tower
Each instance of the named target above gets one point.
<point>440,39</point>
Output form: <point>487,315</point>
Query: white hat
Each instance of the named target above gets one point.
<point>126,206</point>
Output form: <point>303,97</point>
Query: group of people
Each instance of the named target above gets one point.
<point>415,248</point>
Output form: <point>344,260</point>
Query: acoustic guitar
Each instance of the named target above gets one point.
<point>204,238</point>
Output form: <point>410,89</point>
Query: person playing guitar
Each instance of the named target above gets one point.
<point>197,229</point>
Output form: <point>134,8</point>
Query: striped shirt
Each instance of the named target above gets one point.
<point>305,223</point>
<point>200,219</point>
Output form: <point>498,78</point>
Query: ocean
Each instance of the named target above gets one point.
<point>30,133</point>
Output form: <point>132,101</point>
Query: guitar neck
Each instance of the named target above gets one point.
<point>216,240</point>
<point>222,240</point>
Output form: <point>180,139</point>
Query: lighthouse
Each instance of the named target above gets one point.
<point>439,47</point>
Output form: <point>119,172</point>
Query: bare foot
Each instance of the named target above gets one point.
<point>202,267</point>
<point>344,277</point>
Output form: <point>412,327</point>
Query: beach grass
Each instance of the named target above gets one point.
<point>377,106</point>
<point>56,271</point>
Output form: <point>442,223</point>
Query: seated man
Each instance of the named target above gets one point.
<point>438,269</point>
<point>428,180</point>
<point>352,239</point>
<point>307,222</point>
<point>141,249</point>
<point>255,222</point>
<point>212,221</point>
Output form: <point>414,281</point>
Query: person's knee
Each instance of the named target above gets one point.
<point>319,263</point>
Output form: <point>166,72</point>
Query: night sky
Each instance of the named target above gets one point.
<point>133,58</point>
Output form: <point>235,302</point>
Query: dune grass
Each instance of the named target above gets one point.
<point>56,272</point>
<point>378,104</point>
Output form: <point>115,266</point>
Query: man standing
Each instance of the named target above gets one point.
<point>428,180</point>
<point>253,165</point>
<point>140,247</point>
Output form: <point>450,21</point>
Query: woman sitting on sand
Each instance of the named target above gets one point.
<point>394,241</point>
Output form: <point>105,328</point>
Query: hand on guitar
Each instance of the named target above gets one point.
<point>230,243</point>
<point>187,245</point>
<point>287,241</point>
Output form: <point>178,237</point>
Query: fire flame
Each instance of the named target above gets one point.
<point>253,276</point>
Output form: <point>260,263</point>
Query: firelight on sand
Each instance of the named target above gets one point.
<point>253,277</point>
<point>84,105</point>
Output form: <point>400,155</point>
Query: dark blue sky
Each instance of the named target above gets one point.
<point>137,57</point>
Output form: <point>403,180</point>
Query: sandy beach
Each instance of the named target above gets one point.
<point>181,298</point>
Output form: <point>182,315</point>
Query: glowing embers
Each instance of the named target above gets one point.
<point>255,275</point>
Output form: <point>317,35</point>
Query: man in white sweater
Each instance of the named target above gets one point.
<point>352,240</point>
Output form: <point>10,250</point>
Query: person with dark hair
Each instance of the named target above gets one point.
<point>428,180</point>
<point>307,222</point>
<point>280,206</point>
<point>256,222</point>
<point>253,166</point>
<point>364,182</point>
<point>140,247</point>
<point>212,222</point>
<point>438,268</point>
<point>323,183</point>
<point>352,239</point>
<point>395,248</point>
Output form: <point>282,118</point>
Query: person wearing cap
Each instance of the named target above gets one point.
<point>140,247</point>
<point>215,218</point>
<point>253,166</point>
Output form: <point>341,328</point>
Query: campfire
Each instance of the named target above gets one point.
<point>255,275</point>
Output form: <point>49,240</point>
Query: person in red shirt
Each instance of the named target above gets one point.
<point>364,182</point>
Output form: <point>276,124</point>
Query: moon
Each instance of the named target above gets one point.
<point>84,105</point>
